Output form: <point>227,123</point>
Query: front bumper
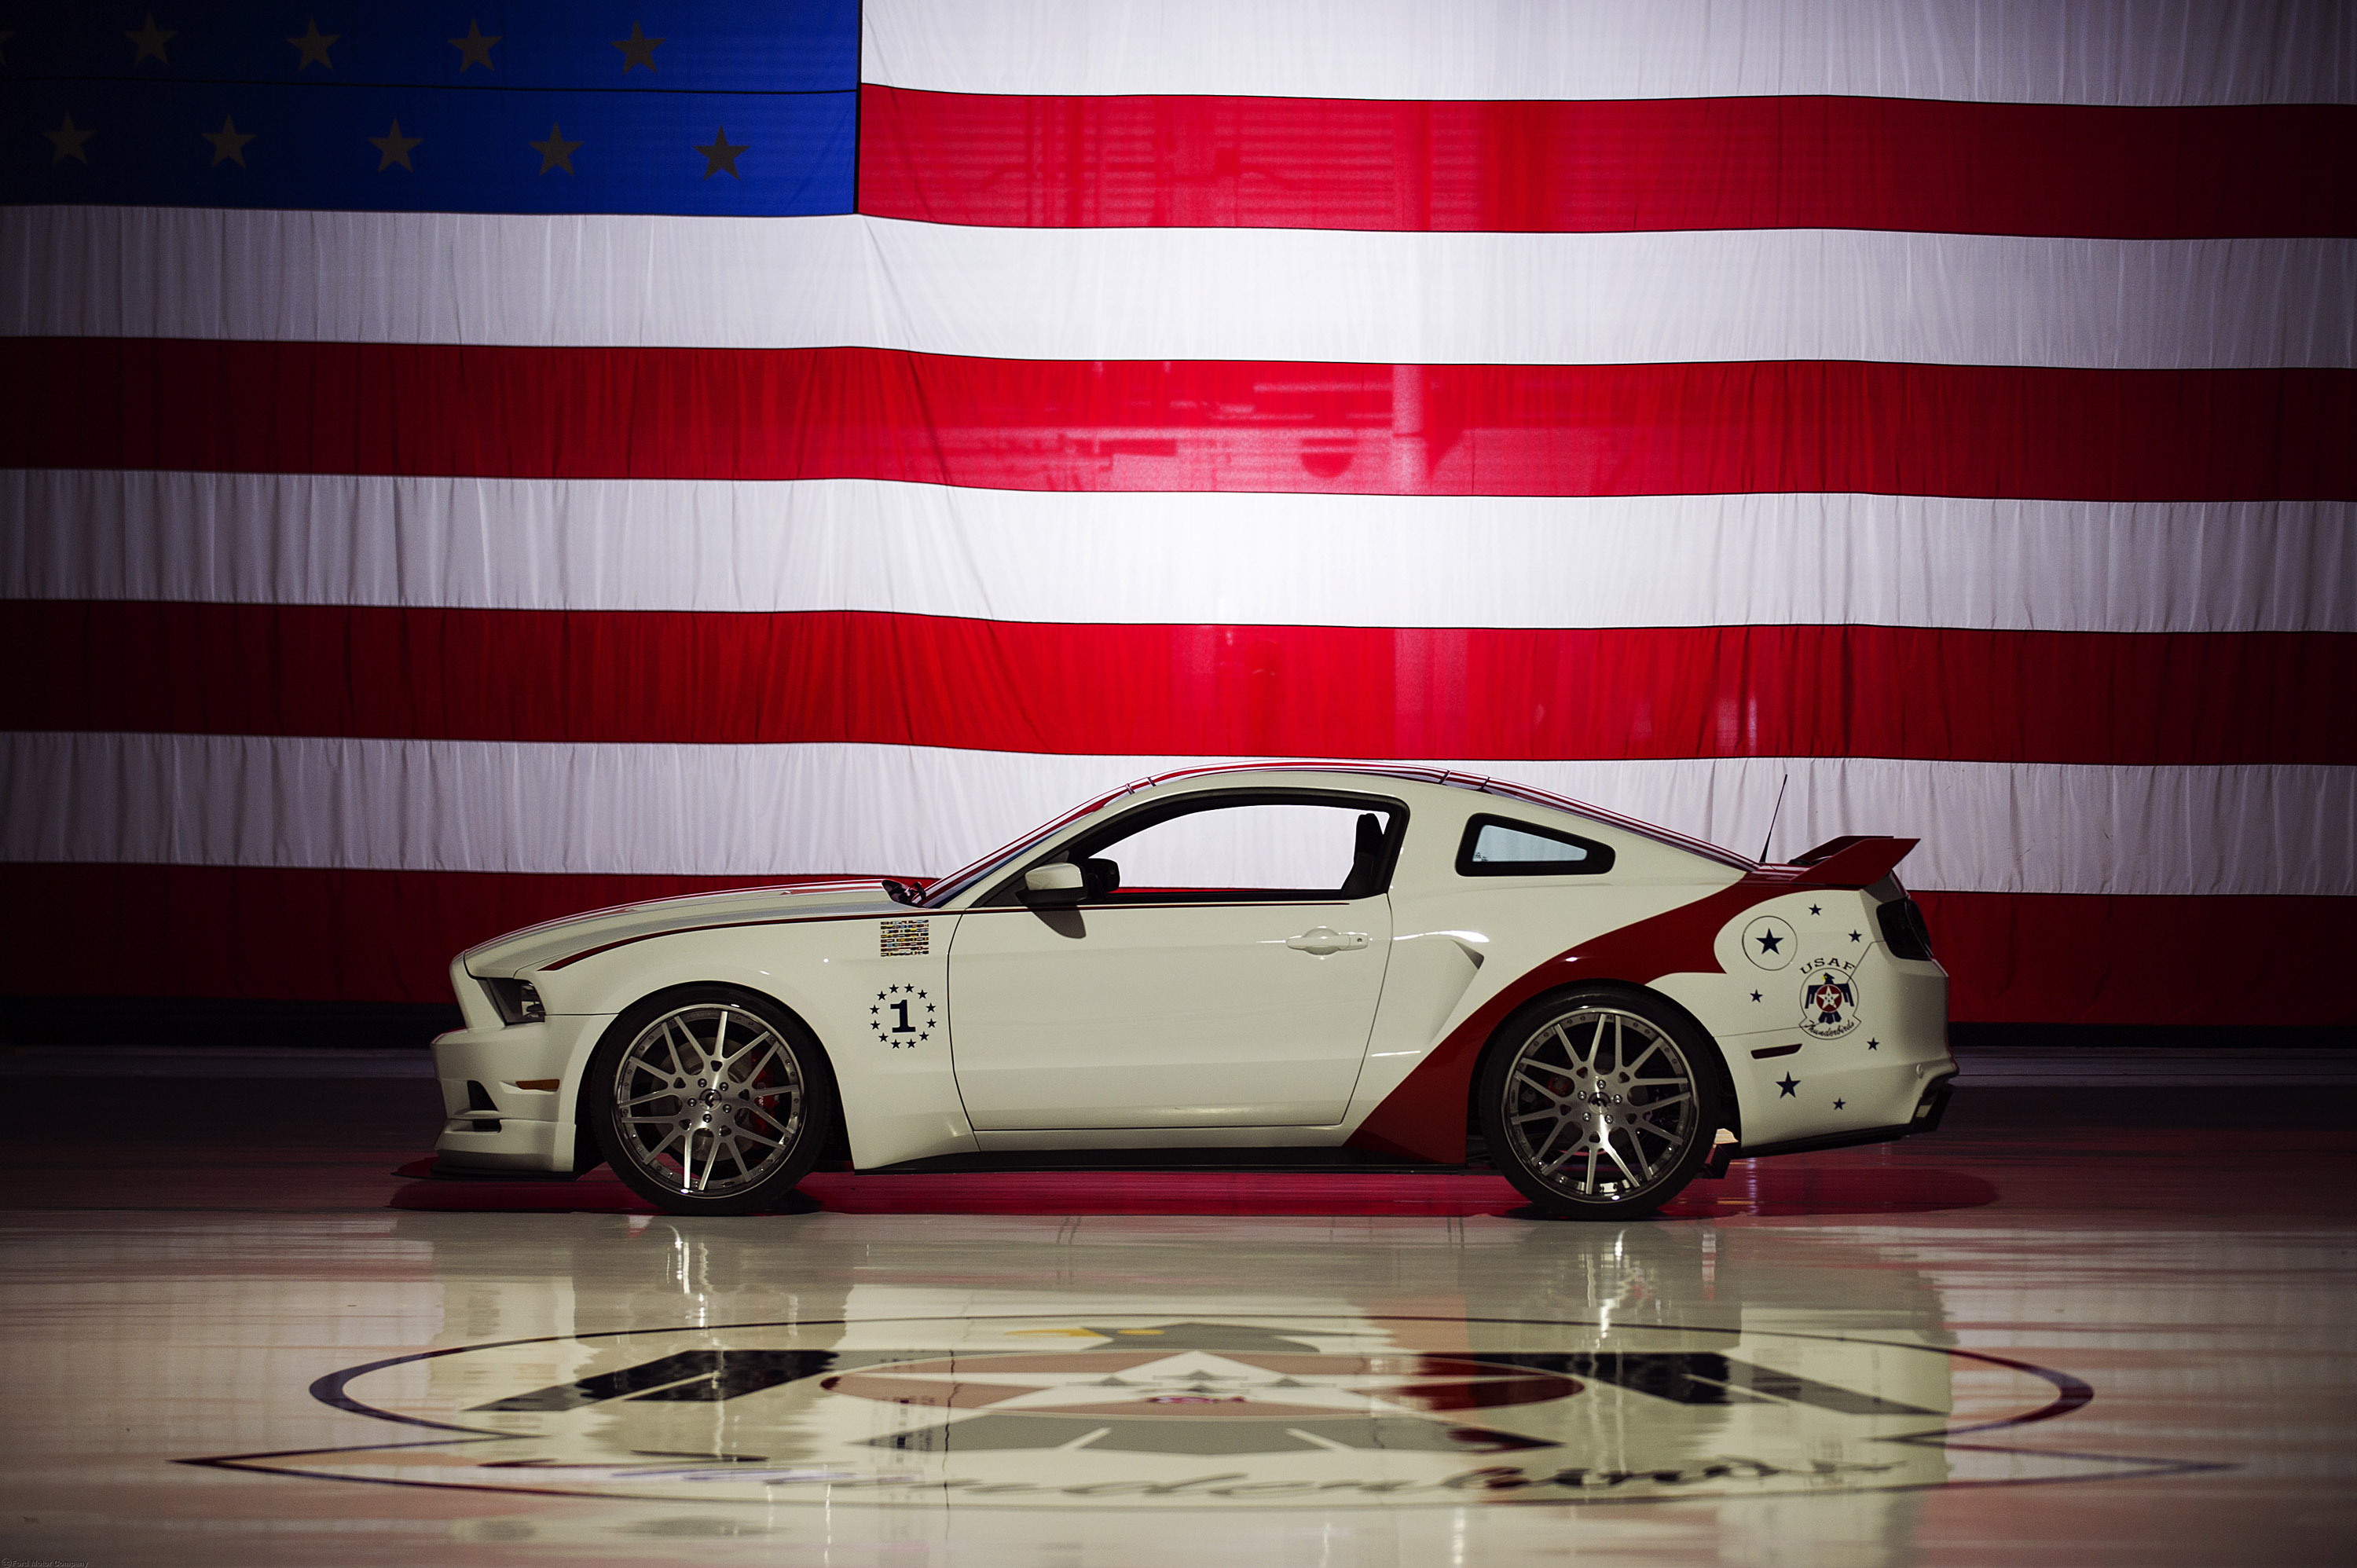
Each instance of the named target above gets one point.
<point>492,1121</point>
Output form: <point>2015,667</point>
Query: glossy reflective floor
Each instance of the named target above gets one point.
<point>2084,1325</point>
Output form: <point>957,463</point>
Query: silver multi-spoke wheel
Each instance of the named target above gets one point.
<point>708,1101</point>
<point>1595,1106</point>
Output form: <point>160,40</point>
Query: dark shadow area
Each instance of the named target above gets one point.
<point>76,1023</point>
<point>268,1139</point>
<point>2315,1106</point>
<point>217,1120</point>
<point>1965,1037</point>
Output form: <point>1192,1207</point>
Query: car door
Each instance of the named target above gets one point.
<point>1229,980</point>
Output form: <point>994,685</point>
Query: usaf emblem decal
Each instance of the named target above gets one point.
<point>1829,998</point>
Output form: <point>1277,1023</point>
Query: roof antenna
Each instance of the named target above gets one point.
<point>1771,819</point>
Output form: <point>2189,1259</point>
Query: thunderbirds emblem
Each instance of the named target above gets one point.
<point>1128,1411</point>
<point>1829,998</point>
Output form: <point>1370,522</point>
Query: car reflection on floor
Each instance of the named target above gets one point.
<point>1764,1188</point>
<point>217,1329</point>
<point>1516,1364</point>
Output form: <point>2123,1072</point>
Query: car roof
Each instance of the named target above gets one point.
<point>1441,777</point>
<point>941,889</point>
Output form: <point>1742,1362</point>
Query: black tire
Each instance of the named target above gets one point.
<point>1581,1063</point>
<point>694,1138</point>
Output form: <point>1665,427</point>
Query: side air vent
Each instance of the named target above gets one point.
<point>1903,929</point>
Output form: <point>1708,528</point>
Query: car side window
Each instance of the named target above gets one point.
<point>1500,846</point>
<point>1258,848</point>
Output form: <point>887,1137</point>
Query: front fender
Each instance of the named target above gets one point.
<point>898,1101</point>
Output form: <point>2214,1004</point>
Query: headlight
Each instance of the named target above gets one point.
<point>517,1000</point>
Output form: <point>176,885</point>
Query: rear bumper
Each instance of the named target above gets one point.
<point>1872,1083</point>
<point>508,1093</point>
<point>1929,1109</point>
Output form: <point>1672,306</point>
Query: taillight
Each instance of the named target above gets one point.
<point>1903,931</point>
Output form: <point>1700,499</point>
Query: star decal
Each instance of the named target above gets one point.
<point>314,45</point>
<point>721,155</point>
<point>150,40</point>
<point>68,139</point>
<point>394,149</point>
<point>1770,942</point>
<point>1814,910</point>
<point>228,143</point>
<point>1874,1044</point>
<point>1784,1089</point>
<point>1856,936</point>
<point>475,49</point>
<point>1839,1103</point>
<point>556,152</point>
<point>1755,996</point>
<point>636,50</point>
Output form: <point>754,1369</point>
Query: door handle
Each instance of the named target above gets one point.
<point>1324,940</point>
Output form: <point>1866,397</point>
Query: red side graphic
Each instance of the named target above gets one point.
<point>1423,1118</point>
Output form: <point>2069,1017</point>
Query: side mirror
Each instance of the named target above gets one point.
<point>1052,886</point>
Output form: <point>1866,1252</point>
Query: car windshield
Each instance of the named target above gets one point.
<point>939,893</point>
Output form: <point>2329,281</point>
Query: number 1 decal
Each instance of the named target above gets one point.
<point>903,1016</point>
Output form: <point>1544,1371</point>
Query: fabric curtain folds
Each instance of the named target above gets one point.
<point>1946,406</point>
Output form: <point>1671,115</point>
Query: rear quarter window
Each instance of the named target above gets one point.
<point>1501,846</point>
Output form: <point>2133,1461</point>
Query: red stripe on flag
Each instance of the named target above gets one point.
<point>387,936</point>
<point>2144,172</point>
<point>1710,428</point>
<point>1161,691</point>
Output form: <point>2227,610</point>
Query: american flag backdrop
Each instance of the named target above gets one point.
<point>469,462</point>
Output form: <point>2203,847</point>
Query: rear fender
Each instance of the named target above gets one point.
<point>1714,1060</point>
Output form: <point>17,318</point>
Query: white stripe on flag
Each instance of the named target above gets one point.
<point>1179,293</point>
<point>2028,51</point>
<point>1183,558</point>
<point>756,809</point>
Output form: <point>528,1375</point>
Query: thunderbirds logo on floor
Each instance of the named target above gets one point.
<point>1182,1414</point>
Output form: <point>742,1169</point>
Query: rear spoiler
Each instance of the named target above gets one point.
<point>1853,860</point>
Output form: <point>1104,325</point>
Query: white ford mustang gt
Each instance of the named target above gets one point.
<point>1380,963</point>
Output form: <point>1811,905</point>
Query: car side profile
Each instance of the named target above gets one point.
<point>1387,965</point>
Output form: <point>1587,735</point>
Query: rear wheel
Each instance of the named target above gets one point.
<point>1600,1104</point>
<point>709,1102</point>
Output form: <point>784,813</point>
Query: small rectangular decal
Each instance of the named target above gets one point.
<point>906,938</point>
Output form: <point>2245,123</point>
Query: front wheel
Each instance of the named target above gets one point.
<point>708,1102</point>
<point>1600,1104</point>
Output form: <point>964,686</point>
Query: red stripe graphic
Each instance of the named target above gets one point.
<point>1711,428</point>
<point>384,936</point>
<point>1160,690</point>
<point>1652,164</point>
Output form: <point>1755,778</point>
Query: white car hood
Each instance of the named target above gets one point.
<point>520,952</point>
